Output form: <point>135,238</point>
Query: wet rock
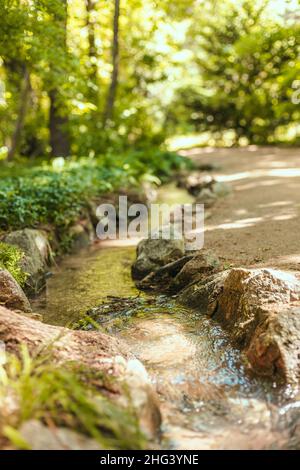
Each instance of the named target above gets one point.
<point>162,279</point>
<point>11,294</point>
<point>152,254</point>
<point>178,274</point>
<point>261,310</point>
<point>37,252</point>
<point>201,266</point>
<point>202,295</point>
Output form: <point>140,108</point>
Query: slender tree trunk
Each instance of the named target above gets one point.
<point>108,112</point>
<point>59,138</point>
<point>25,90</point>
<point>58,120</point>
<point>90,7</point>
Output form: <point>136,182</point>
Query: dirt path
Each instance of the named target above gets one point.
<point>259,223</point>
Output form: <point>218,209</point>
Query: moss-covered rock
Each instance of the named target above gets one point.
<point>36,249</point>
<point>10,259</point>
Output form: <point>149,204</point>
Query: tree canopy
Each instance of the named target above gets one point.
<point>79,77</point>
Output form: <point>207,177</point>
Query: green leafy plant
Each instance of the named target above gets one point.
<point>57,193</point>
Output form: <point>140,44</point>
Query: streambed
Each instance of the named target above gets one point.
<point>208,398</point>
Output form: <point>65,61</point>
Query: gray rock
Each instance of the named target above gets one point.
<point>221,189</point>
<point>37,252</point>
<point>201,266</point>
<point>152,254</point>
<point>207,197</point>
<point>202,294</point>
<point>82,233</point>
<point>11,294</point>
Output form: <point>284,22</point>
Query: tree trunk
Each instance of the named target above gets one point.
<point>90,7</point>
<point>25,90</point>
<point>59,138</point>
<point>58,119</point>
<point>108,112</point>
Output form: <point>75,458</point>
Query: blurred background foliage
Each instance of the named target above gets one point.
<point>86,77</point>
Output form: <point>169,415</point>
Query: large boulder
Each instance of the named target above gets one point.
<point>37,252</point>
<point>155,253</point>
<point>11,294</point>
<point>261,310</point>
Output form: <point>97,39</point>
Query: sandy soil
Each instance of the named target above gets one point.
<point>259,223</point>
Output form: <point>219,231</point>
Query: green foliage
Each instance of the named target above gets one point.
<point>192,65</point>
<point>68,396</point>
<point>57,193</point>
<point>248,65</point>
<point>10,258</point>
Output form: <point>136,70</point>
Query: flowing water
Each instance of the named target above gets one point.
<point>208,398</point>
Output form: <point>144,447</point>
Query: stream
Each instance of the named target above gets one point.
<point>208,398</point>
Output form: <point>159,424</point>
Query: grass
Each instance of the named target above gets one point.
<point>65,396</point>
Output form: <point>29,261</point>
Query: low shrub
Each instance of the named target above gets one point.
<point>57,192</point>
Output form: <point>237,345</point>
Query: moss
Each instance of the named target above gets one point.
<point>10,259</point>
<point>68,396</point>
<point>86,323</point>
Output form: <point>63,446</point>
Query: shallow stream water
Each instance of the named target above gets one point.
<point>209,400</point>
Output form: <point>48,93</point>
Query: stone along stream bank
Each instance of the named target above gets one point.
<point>208,396</point>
